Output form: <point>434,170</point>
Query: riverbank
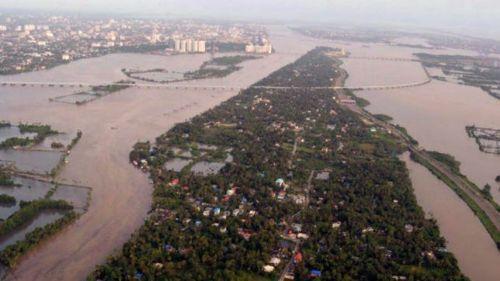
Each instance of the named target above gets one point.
<point>111,126</point>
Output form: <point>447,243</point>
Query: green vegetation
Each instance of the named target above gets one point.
<point>7,199</point>
<point>361,223</point>
<point>231,60</point>
<point>405,132</point>
<point>4,124</point>
<point>28,211</point>
<point>11,254</point>
<point>447,160</point>
<point>13,142</point>
<point>483,217</point>
<point>5,179</point>
<point>225,47</point>
<point>62,161</point>
<point>56,145</point>
<point>41,131</point>
<point>383,117</point>
<point>108,89</point>
<point>212,68</point>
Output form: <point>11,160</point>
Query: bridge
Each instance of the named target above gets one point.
<point>382,58</point>
<point>74,85</point>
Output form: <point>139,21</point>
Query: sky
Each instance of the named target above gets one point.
<point>456,15</point>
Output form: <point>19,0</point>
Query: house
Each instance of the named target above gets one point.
<point>368,229</point>
<point>303,236</point>
<point>280,182</point>
<point>275,261</point>
<point>268,268</point>
<point>336,225</point>
<point>174,182</point>
<point>281,195</point>
<point>207,211</point>
<point>315,273</point>
<point>409,228</point>
<point>297,227</point>
<point>297,258</point>
<point>246,234</point>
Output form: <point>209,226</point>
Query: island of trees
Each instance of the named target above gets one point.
<point>311,192</point>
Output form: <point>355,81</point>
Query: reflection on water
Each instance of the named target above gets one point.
<point>13,132</point>
<point>41,220</point>
<point>41,162</point>
<point>76,196</point>
<point>466,237</point>
<point>27,190</point>
<point>176,164</point>
<point>436,115</point>
<point>207,168</point>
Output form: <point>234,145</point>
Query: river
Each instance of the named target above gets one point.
<point>121,194</point>
<point>436,115</point>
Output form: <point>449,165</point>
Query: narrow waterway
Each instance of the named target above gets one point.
<point>475,251</point>
<point>436,115</point>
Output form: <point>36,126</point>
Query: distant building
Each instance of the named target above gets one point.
<point>259,49</point>
<point>189,46</point>
<point>66,57</point>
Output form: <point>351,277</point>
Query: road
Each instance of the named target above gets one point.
<point>464,185</point>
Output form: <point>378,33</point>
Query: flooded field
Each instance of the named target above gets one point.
<point>76,196</point>
<point>41,220</point>
<point>205,168</point>
<point>27,190</point>
<point>176,164</point>
<point>33,161</point>
<point>110,126</point>
<point>13,132</point>
<point>476,252</point>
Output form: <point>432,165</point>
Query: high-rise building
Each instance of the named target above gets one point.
<point>177,43</point>
<point>189,45</point>
<point>202,47</point>
<point>183,48</point>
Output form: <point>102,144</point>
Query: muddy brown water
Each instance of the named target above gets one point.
<point>436,115</point>
<point>121,194</point>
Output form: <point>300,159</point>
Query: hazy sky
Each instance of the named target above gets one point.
<point>482,15</point>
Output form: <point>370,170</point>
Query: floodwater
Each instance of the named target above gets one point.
<point>33,161</point>
<point>41,220</point>
<point>475,251</point>
<point>205,168</point>
<point>110,126</point>
<point>176,164</point>
<point>436,115</point>
<point>76,196</point>
<point>28,190</point>
<point>13,132</point>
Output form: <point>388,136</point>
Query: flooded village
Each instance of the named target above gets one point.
<point>96,174</point>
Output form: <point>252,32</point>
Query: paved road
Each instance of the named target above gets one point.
<point>464,185</point>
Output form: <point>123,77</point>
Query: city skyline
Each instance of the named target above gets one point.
<point>464,16</point>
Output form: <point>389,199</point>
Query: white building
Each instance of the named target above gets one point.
<point>259,49</point>
<point>189,46</point>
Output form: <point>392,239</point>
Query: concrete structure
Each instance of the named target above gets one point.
<point>259,49</point>
<point>189,46</point>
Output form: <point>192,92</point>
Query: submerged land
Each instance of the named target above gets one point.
<point>306,189</point>
<point>290,178</point>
